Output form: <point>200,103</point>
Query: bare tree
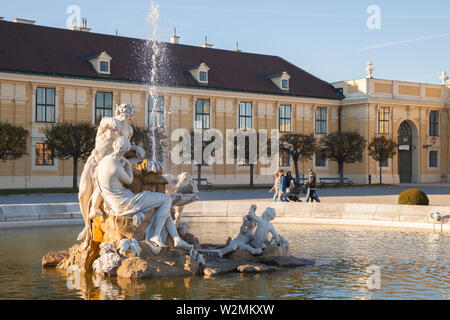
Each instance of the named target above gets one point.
<point>71,140</point>
<point>301,147</point>
<point>381,149</point>
<point>343,147</point>
<point>13,141</point>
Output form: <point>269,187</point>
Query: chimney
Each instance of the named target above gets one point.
<point>19,20</point>
<point>206,44</point>
<point>236,49</point>
<point>174,38</point>
<point>83,26</point>
<point>117,33</point>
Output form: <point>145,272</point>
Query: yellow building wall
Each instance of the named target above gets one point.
<point>75,101</point>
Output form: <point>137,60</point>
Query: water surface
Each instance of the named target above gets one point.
<point>412,264</point>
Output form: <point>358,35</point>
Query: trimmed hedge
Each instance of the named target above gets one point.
<point>413,197</point>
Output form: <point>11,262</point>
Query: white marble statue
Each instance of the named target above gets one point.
<point>241,242</point>
<point>261,237</point>
<point>109,130</point>
<point>113,172</point>
<point>185,187</point>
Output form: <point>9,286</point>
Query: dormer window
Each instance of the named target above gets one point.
<point>202,76</point>
<point>281,80</point>
<point>101,63</point>
<point>104,66</point>
<point>199,72</point>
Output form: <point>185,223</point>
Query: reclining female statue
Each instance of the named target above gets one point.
<point>113,172</point>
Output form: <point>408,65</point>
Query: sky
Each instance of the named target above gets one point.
<point>405,40</point>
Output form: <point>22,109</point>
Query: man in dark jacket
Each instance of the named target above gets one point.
<point>311,184</point>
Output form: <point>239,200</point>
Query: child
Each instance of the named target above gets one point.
<point>242,240</point>
<point>261,236</point>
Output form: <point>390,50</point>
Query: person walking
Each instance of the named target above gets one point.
<point>289,181</point>
<point>311,185</point>
<point>275,186</point>
<point>282,185</point>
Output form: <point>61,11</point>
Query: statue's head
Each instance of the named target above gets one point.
<point>121,145</point>
<point>248,223</point>
<point>269,214</point>
<point>124,111</point>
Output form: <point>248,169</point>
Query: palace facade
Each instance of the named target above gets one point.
<point>49,75</point>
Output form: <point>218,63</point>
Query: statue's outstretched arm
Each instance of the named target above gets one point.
<point>253,215</point>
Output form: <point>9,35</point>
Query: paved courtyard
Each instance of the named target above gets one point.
<point>439,194</point>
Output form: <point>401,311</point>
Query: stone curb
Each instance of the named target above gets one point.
<point>380,215</point>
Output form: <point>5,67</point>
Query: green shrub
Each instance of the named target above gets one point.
<point>413,197</point>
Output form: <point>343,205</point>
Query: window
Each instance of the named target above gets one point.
<point>433,159</point>
<point>202,76</point>
<point>284,159</point>
<point>45,105</point>
<point>158,120</point>
<point>104,66</point>
<point>383,120</point>
<point>103,105</point>
<point>202,114</point>
<point>284,84</point>
<point>384,164</point>
<point>321,120</point>
<point>285,118</point>
<point>245,115</point>
<point>320,159</point>
<point>44,156</point>
<point>434,123</point>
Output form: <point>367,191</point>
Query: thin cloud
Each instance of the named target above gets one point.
<point>396,43</point>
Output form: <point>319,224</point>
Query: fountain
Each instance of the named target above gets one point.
<point>133,213</point>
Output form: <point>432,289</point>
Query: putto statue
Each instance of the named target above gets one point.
<point>256,241</point>
<point>242,241</point>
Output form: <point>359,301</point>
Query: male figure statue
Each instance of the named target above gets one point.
<point>109,130</point>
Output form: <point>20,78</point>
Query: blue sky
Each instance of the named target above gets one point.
<point>327,38</point>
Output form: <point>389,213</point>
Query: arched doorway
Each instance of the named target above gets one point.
<point>405,152</point>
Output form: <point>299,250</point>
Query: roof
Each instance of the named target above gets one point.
<point>62,52</point>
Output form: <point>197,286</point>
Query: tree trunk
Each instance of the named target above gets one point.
<point>297,173</point>
<point>381,180</point>
<point>251,175</point>
<point>199,173</point>
<point>341,171</point>
<point>75,173</point>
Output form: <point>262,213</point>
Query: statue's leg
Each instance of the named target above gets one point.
<point>163,202</point>
<point>178,211</point>
<point>84,194</point>
<point>177,241</point>
<point>229,248</point>
<point>250,249</point>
